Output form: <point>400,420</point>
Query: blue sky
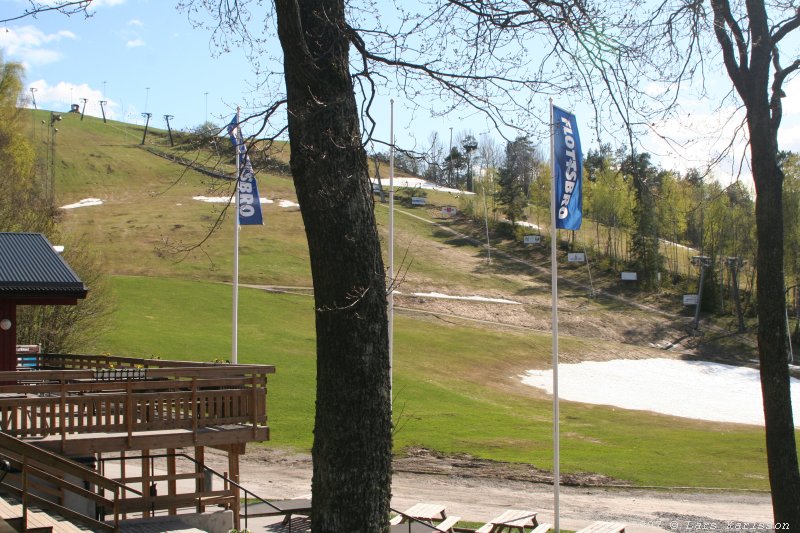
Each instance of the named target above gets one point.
<point>139,55</point>
<point>143,55</point>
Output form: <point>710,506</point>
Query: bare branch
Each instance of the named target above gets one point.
<point>65,7</point>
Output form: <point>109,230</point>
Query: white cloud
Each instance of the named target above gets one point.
<point>135,43</point>
<point>700,134</point>
<point>706,128</point>
<point>135,22</point>
<point>106,3</point>
<point>60,96</point>
<point>29,44</point>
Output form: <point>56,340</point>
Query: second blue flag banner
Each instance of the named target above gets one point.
<point>567,170</point>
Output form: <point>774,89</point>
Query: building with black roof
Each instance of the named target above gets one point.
<point>31,273</point>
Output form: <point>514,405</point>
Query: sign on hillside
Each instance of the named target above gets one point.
<point>449,210</point>
<point>417,200</point>
<point>576,257</point>
<point>532,239</point>
<point>689,299</point>
<point>629,276</point>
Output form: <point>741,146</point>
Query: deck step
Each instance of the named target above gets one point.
<point>10,525</point>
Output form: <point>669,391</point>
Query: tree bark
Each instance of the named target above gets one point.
<point>749,70</point>
<point>772,333</point>
<point>351,481</point>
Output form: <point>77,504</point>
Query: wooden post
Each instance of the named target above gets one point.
<point>146,479</point>
<point>8,338</point>
<point>200,483</point>
<point>172,484</point>
<point>122,477</point>
<point>233,474</point>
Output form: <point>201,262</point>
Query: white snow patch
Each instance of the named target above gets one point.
<point>86,202</point>
<point>526,224</point>
<point>224,199</point>
<point>690,389</point>
<point>419,183</point>
<point>288,203</point>
<point>470,298</point>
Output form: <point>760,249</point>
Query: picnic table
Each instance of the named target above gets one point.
<point>424,512</point>
<point>604,527</point>
<point>511,520</point>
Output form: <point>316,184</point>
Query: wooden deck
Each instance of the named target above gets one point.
<point>56,399</point>
<point>89,406</point>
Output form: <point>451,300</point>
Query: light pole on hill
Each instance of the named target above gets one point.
<point>83,111</point>
<point>51,187</point>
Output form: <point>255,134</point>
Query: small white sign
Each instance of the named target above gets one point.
<point>417,200</point>
<point>449,210</point>
<point>689,299</point>
<point>576,257</point>
<point>532,239</point>
<point>629,276</point>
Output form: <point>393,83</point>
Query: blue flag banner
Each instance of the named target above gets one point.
<point>567,170</point>
<point>247,189</point>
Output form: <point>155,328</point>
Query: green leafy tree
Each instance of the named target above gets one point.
<point>514,178</point>
<point>24,208</point>
<point>646,179</point>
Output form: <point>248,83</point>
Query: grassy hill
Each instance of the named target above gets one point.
<point>456,364</point>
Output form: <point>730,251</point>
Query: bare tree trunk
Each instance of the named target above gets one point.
<point>351,481</point>
<point>772,333</point>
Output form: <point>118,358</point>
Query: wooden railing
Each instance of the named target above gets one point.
<point>41,478</point>
<point>125,396</point>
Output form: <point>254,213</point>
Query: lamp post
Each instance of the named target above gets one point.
<point>103,109</point>
<point>54,117</point>
<point>33,96</point>
<point>83,110</point>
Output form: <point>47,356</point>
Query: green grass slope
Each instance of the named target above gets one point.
<point>456,385</point>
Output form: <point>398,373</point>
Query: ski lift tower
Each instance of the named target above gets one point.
<point>703,261</point>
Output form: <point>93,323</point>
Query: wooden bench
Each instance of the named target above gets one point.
<point>447,524</point>
<point>542,528</point>
<point>603,527</point>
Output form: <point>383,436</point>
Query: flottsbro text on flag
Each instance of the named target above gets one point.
<point>247,188</point>
<point>567,170</point>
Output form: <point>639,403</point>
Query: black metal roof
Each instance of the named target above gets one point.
<point>31,268</point>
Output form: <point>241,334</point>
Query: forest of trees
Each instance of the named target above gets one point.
<point>637,215</point>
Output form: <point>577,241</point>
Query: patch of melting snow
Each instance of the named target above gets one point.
<point>689,389</point>
<point>525,224</point>
<point>224,199</point>
<point>470,298</point>
<point>288,203</point>
<point>86,202</point>
<point>419,183</point>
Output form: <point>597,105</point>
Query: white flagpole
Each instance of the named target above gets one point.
<point>235,325</point>
<point>554,285</point>
<point>391,249</point>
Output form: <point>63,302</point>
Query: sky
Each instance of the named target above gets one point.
<point>145,56</point>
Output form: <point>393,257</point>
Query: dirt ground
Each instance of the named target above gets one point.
<point>477,490</point>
